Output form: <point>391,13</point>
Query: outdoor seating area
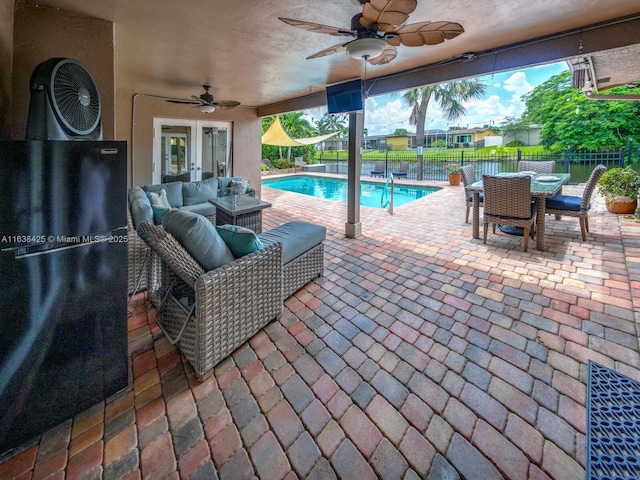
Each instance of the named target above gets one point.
<point>420,353</point>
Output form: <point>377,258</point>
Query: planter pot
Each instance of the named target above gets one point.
<point>454,179</point>
<point>624,205</point>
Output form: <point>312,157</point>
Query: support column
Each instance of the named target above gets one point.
<point>356,129</point>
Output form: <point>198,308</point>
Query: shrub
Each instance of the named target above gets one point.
<point>264,167</point>
<point>620,182</point>
<point>515,143</point>
<point>281,163</point>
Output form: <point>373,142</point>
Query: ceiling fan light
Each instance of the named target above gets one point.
<point>207,108</point>
<point>364,48</point>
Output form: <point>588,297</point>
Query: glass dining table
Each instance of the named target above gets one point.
<point>542,187</point>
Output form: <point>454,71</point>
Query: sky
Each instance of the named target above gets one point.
<point>385,113</point>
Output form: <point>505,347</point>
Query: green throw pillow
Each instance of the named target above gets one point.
<point>240,240</point>
<point>159,205</point>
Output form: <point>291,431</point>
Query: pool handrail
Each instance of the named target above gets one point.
<point>390,180</point>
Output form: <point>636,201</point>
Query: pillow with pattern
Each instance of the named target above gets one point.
<point>159,204</point>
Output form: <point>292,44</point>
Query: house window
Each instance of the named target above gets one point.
<point>463,138</point>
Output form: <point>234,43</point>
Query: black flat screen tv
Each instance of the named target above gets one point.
<point>344,97</point>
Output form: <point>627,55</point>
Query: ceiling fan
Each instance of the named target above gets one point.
<point>379,29</point>
<point>206,103</point>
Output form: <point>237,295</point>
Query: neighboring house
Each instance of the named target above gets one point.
<point>529,135</point>
<point>458,138</point>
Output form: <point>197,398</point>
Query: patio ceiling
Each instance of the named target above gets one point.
<point>246,53</point>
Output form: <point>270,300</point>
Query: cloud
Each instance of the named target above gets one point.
<point>518,84</point>
<point>384,114</point>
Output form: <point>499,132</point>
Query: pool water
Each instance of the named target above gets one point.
<point>372,194</point>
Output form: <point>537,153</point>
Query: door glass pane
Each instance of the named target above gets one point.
<point>175,152</point>
<point>214,152</point>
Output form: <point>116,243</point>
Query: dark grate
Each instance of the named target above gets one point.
<point>613,425</point>
<point>76,98</point>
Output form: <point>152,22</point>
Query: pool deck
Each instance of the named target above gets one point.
<point>420,353</point>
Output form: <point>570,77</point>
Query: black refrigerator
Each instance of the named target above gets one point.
<point>63,286</point>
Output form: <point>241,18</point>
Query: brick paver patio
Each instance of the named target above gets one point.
<point>421,353</point>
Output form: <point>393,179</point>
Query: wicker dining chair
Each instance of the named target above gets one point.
<point>547,166</point>
<point>573,206</point>
<point>469,178</point>
<point>507,201</point>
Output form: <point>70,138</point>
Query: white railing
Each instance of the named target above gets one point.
<point>387,194</point>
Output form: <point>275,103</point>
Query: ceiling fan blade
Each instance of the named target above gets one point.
<point>387,12</point>
<point>226,104</point>
<point>189,102</point>
<point>329,51</point>
<point>317,27</point>
<point>388,54</point>
<point>427,33</point>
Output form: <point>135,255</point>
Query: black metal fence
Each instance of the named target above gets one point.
<point>578,163</point>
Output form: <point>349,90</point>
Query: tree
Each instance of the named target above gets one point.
<point>571,120</point>
<point>330,123</point>
<point>450,97</point>
<point>401,132</point>
<point>297,127</point>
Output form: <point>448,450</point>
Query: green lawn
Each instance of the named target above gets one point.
<point>436,154</point>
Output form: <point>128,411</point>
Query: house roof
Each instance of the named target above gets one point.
<point>246,53</point>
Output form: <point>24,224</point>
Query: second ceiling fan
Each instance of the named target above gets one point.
<point>206,103</point>
<point>379,29</point>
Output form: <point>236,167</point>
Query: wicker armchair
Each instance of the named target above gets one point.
<point>546,167</point>
<point>210,314</point>
<point>469,178</point>
<point>571,206</point>
<point>507,201</point>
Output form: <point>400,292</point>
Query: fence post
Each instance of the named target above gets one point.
<point>386,161</point>
<point>630,150</point>
<point>519,154</point>
<point>567,167</point>
<point>462,157</point>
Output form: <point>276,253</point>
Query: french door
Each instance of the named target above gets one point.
<point>190,150</point>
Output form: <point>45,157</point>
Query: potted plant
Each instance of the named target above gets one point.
<point>620,186</point>
<point>455,174</point>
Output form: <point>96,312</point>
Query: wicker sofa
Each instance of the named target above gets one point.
<point>143,266</point>
<point>209,312</point>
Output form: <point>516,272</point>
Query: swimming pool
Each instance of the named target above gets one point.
<point>371,193</point>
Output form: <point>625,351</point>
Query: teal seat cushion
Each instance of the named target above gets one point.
<point>198,237</point>
<point>139,207</point>
<point>199,192</point>
<point>224,183</point>
<point>564,202</point>
<point>205,209</point>
<point>173,189</point>
<point>296,238</point>
<point>240,240</point>
<point>136,193</point>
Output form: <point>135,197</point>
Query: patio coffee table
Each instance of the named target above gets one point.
<point>241,210</point>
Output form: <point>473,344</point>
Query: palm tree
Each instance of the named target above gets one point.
<point>449,95</point>
<point>333,123</point>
